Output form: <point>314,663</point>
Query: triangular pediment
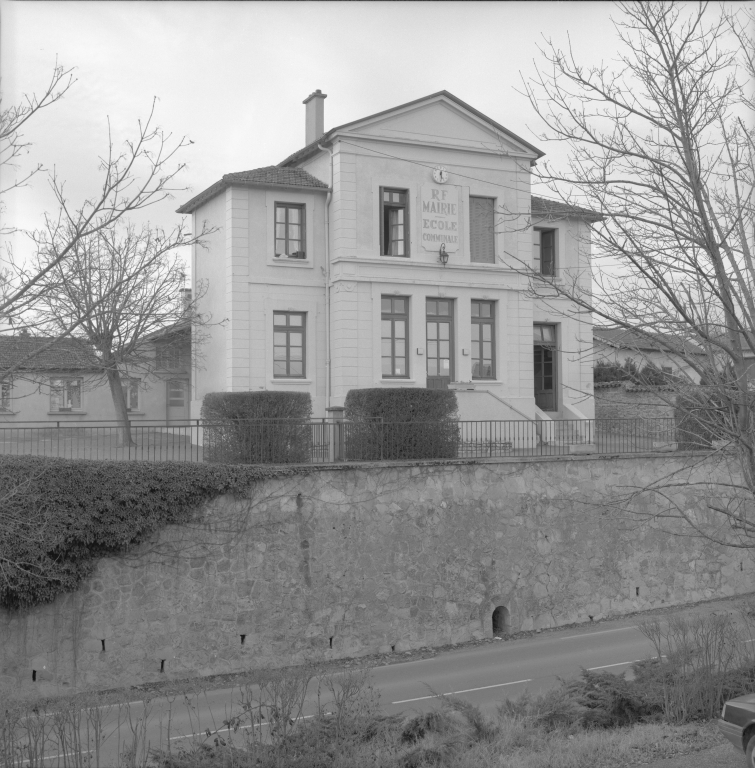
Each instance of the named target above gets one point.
<point>441,120</point>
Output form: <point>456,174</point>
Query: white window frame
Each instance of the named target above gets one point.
<point>284,197</point>
<point>65,388</point>
<point>126,383</point>
<point>6,395</point>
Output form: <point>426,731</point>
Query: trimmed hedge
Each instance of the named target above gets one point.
<point>403,423</point>
<point>257,427</point>
<point>58,516</point>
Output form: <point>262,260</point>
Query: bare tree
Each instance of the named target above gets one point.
<point>141,173</point>
<point>118,288</point>
<point>661,146</point>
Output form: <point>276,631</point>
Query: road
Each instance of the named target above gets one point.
<point>484,675</point>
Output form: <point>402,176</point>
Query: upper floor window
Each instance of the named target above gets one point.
<point>482,230</point>
<point>394,339</point>
<point>394,219</point>
<point>172,355</point>
<point>289,231</point>
<point>65,394</point>
<point>483,338</point>
<point>289,344</point>
<point>5,395</point>
<point>131,393</point>
<point>544,251</point>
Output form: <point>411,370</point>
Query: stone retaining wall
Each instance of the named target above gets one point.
<point>355,560</point>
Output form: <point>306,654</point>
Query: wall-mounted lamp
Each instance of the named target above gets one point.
<point>443,255</point>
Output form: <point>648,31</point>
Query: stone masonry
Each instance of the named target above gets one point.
<point>355,560</point>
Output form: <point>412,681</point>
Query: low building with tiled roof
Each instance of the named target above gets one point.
<point>668,352</point>
<point>398,249</point>
<point>60,380</point>
<point>24,352</point>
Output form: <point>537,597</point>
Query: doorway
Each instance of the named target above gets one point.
<point>440,344</point>
<point>501,621</point>
<point>177,397</point>
<point>545,360</point>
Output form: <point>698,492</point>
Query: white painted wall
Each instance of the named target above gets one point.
<point>246,282</point>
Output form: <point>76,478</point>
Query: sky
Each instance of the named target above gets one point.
<point>231,76</point>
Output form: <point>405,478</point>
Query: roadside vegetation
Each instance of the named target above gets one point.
<point>302,719</point>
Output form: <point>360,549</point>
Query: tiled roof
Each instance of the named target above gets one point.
<point>270,175</point>
<point>555,209</point>
<point>30,353</point>
<point>654,342</point>
<point>311,148</point>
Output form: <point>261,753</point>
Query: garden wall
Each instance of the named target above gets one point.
<point>356,560</point>
<point>624,400</point>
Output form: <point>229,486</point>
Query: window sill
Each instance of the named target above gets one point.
<point>8,412</point>
<point>389,382</point>
<point>282,261</point>
<point>66,413</point>
<point>291,381</point>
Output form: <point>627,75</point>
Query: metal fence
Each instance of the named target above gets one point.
<point>284,441</point>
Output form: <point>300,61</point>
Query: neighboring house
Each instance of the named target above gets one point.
<point>390,252</point>
<point>58,380</point>
<point>617,345</point>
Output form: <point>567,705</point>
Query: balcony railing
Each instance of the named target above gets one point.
<point>325,441</point>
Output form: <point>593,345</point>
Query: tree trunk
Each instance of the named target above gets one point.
<point>119,401</point>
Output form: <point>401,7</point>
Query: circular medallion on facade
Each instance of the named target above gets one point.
<point>440,174</point>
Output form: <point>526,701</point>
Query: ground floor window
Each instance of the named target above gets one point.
<point>289,344</point>
<point>5,395</point>
<point>440,336</point>
<point>545,367</point>
<point>131,393</point>
<point>394,340</point>
<point>65,394</point>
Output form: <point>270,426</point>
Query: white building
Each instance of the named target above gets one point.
<point>393,252</point>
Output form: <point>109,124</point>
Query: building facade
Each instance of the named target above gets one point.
<point>398,250</point>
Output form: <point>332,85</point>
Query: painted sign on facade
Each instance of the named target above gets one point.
<point>440,218</point>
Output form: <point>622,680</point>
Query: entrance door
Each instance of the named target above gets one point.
<point>545,367</point>
<point>440,345</point>
<point>178,400</point>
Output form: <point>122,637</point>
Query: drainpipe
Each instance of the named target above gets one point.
<point>328,386</point>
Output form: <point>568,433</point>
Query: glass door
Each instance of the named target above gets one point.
<point>545,367</point>
<point>440,347</point>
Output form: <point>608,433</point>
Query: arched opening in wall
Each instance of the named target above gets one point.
<point>501,621</point>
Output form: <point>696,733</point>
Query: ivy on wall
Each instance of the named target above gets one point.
<point>58,516</point>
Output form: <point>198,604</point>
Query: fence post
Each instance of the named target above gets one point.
<point>335,444</point>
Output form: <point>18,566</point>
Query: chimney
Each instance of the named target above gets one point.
<point>315,115</point>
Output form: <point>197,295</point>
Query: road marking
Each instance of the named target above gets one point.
<point>621,663</point>
<point>608,666</point>
<point>466,690</point>
<point>240,728</point>
<point>56,757</point>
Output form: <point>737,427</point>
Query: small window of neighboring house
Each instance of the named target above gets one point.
<point>290,239</point>
<point>172,355</point>
<point>177,393</point>
<point>5,395</point>
<point>544,251</point>
<point>65,395</point>
<point>131,393</point>
<point>482,230</point>
<point>394,222</point>
<point>667,369</point>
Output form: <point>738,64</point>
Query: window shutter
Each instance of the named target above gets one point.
<point>482,244</point>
